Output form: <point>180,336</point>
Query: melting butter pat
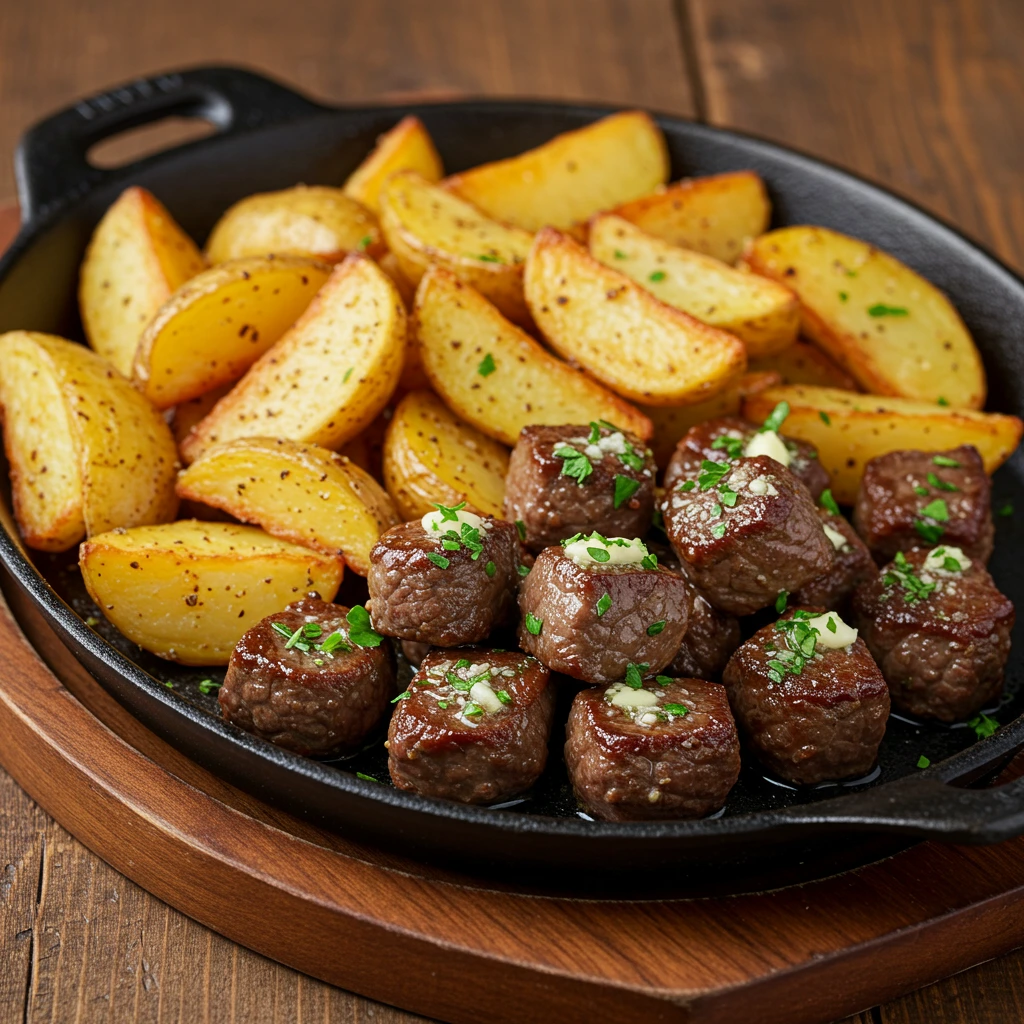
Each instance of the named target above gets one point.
<point>838,540</point>
<point>434,522</point>
<point>833,633</point>
<point>623,696</point>
<point>946,558</point>
<point>598,550</point>
<point>483,694</point>
<point>768,443</point>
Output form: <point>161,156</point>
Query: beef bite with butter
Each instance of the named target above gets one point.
<point>914,499</point>
<point>594,605</point>
<point>744,531</point>
<point>939,630</point>
<point>808,698</point>
<point>315,678</point>
<point>473,726</point>
<point>571,479</point>
<point>732,437</point>
<point>447,579</point>
<point>663,749</point>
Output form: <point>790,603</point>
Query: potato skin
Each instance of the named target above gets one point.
<point>187,591</point>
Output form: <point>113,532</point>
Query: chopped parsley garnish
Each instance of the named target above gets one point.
<point>941,485</point>
<point>687,486</point>
<point>921,491</point>
<point>937,510</point>
<point>490,568</point>
<point>829,503</point>
<point>825,418</point>
<point>727,494</point>
<point>945,461</point>
<point>504,696</point>
<point>364,242</point>
<point>843,296</point>
<point>472,709</point>
<point>718,531</point>
<point>711,474</point>
<point>1006,509</point>
<point>732,446</point>
<point>625,488</point>
<point>348,373</point>
<point>881,309</point>
<point>533,624</point>
<point>335,641</point>
<point>360,632</point>
<point>599,554</point>
<point>656,276</point>
<point>521,527</point>
<point>716,511</point>
<point>488,257</point>
<point>923,762</point>
<point>983,726</point>
<point>463,663</point>
<point>280,627</point>
<point>776,418</point>
<point>365,777</point>
<point>675,709</point>
<point>486,367</point>
<point>663,680</point>
<point>930,532</point>
<point>404,695</point>
<point>655,627</point>
<point>950,564</point>
<point>524,570</point>
<point>208,685</point>
<point>781,601</point>
<point>649,561</point>
<point>576,464</point>
<point>800,643</point>
<point>620,255</point>
<point>604,604</point>
<point>443,705</point>
<point>635,675</point>
<point>439,560</point>
<point>631,459</point>
<point>449,515</point>
<point>943,401</point>
<point>914,588</point>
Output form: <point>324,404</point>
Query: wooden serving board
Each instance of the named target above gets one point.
<point>451,947</point>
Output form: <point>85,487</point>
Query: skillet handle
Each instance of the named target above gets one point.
<point>51,164</point>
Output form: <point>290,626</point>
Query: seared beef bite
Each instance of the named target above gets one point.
<point>939,630</point>
<point>314,679</point>
<point>473,726</point>
<point>447,579</point>
<point>808,698</point>
<point>732,437</point>
<point>913,499</point>
<point>852,563</point>
<point>594,605</point>
<point>566,480</point>
<point>744,531</point>
<point>414,652</point>
<point>664,749</point>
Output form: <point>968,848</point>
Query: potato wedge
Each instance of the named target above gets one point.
<point>803,363</point>
<point>766,320</point>
<point>307,220</point>
<point>849,429</point>
<point>572,177</point>
<point>328,377</point>
<point>496,376</point>
<point>628,339</point>
<point>137,257</point>
<point>87,452</point>
<point>714,215</point>
<point>297,492</point>
<point>895,333</point>
<point>406,147</point>
<point>424,225</point>
<point>389,264</point>
<point>219,323</point>
<point>431,456</point>
<point>671,422</point>
<point>187,591</point>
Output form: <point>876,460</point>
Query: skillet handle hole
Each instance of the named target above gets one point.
<point>134,144</point>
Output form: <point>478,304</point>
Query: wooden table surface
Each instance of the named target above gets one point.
<point>924,96</point>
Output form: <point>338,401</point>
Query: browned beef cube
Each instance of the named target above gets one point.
<point>444,587</point>
<point>727,437</point>
<point>852,565</point>
<point>809,712</point>
<point>567,480</point>
<point>666,750</point>
<point>591,620</point>
<point>913,499</point>
<point>319,692</point>
<point>744,531</point>
<point>473,726</point>
<point>939,630</point>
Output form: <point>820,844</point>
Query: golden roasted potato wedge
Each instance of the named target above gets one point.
<point>219,323</point>
<point>87,452</point>
<point>137,257</point>
<point>298,492</point>
<point>765,319</point>
<point>307,220</point>
<point>573,176</point>
<point>896,333</point>
<point>803,363</point>
<point>714,215</point>
<point>496,376</point>
<point>425,225</point>
<point>187,591</point>
<point>328,377</point>
<point>406,147</point>
<point>671,422</point>
<point>628,339</point>
<point>850,428</point>
<point>431,456</point>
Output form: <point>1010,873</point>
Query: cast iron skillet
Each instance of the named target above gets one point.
<point>270,137</point>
